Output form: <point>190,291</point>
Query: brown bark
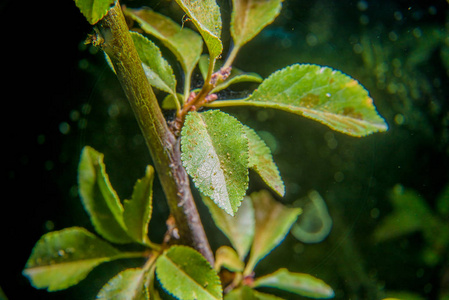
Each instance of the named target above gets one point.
<point>163,144</point>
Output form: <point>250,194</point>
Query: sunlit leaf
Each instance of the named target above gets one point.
<point>215,154</point>
<point>94,10</point>
<point>185,274</point>
<point>99,198</point>
<point>319,93</point>
<point>261,161</point>
<point>129,284</point>
<point>238,229</point>
<point>273,221</point>
<point>298,283</point>
<point>159,73</point>
<point>249,17</point>
<point>63,258</point>
<point>185,44</point>
<point>236,76</point>
<point>138,209</point>
<point>206,16</point>
<point>226,257</point>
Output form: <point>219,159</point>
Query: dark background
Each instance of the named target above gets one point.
<point>60,95</point>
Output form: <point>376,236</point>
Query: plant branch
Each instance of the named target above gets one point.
<point>163,145</point>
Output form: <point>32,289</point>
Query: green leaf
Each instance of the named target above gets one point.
<point>215,153</point>
<point>238,229</point>
<point>186,274</point>
<point>129,284</point>
<point>315,223</point>
<point>410,213</point>
<point>94,10</point>
<point>206,16</point>
<point>249,17</point>
<point>227,257</point>
<point>246,293</point>
<point>138,209</point>
<point>159,73</point>
<point>273,221</point>
<point>298,283</point>
<point>236,76</point>
<point>170,102</point>
<point>242,293</point>
<point>63,258</point>
<point>185,44</point>
<point>443,202</point>
<point>99,198</point>
<point>261,161</point>
<point>319,93</point>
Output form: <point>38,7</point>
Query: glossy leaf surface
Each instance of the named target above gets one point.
<point>185,44</point>
<point>138,209</point>
<point>215,154</point>
<point>249,17</point>
<point>239,229</point>
<point>261,160</point>
<point>206,16</point>
<point>319,93</point>
<point>298,283</point>
<point>99,198</point>
<point>185,274</point>
<point>273,221</point>
<point>159,73</point>
<point>129,284</point>
<point>94,10</point>
<point>61,259</point>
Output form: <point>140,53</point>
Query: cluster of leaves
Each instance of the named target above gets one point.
<point>63,258</point>
<point>217,151</point>
<point>411,213</point>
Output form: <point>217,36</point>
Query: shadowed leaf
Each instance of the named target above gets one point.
<point>99,198</point>
<point>185,44</point>
<point>249,17</point>
<point>261,161</point>
<point>238,229</point>
<point>138,209</point>
<point>226,257</point>
<point>273,221</point>
<point>246,293</point>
